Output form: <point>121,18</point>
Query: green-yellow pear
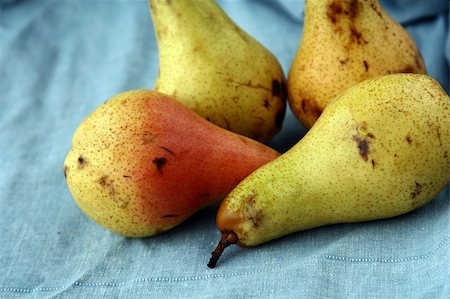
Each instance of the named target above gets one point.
<point>345,42</point>
<point>379,150</point>
<point>216,69</point>
<point>142,163</point>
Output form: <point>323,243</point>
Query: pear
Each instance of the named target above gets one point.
<point>345,42</point>
<point>142,163</point>
<point>379,150</point>
<point>216,69</point>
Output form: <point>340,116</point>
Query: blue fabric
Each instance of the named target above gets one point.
<point>59,60</point>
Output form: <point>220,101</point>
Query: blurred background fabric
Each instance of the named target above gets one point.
<point>60,59</point>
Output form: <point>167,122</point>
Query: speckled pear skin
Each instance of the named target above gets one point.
<point>379,150</point>
<point>142,163</point>
<point>216,69</point>
<point>345,42</point>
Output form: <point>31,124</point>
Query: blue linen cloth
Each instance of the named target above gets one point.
<point>59,60</point>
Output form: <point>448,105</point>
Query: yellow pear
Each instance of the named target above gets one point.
<point>216,69</point>
<point>379,150</point>
<point>345,42</point>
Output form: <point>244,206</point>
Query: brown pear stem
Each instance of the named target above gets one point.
<point>226,240</point>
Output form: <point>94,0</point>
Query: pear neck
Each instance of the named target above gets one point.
<point>177,17</point>
<point>348,7</point>
<point>334,11</point>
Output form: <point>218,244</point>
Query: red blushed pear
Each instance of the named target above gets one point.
<point>142,163</point>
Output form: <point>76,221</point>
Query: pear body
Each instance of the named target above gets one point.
<point>142,163</point>
<point>345,42</point>
<point>379,150</point>
<point>216,69</point>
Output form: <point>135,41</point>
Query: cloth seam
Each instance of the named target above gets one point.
<point>382,260</point>
<point>201,277</point>
<point>140,280</point>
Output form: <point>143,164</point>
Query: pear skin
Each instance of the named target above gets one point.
<point>379,150</point>
<point>345,42</point>
<point>216,69</point>
<point>142,163</point>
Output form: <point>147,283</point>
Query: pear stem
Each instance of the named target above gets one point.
<point>226,240</point>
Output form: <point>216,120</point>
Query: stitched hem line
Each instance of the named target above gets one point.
<point>201,277</point>
<point>141,280</point>
<point>381,260</point>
